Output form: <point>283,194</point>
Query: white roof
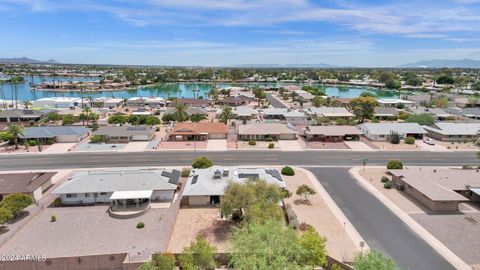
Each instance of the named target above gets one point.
<point>387,128</point>
<point>135,194</point>
<point>330,111</point>
<point>394,101</point>
<point>447,128</point>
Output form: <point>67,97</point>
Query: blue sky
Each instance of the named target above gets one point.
<point>232,32</point>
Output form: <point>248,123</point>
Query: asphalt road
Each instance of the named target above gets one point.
<point>182,158</point>
<point>380,228</point>
<point>275,102</point>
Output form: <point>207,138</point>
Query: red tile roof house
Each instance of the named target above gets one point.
<point>33,184</point>
<point>188,131</point>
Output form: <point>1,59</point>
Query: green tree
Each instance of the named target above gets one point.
<point>445,79</point>
<point>15,131</point>
<point>393,84</point>
<point>180,114</point>
<point>363,107</point>
<point>259,95</point>
<point>152,121</point>
<point>160,261</point>
<point>202,163</point>
<point>5,215</point>
<point>265,246</point>
<point>117,119</point>
<point>441,102</point>
<point>423,119</point>
<point>226,114</point>
<point>54,116</point>
<point>373,260</point>
<point>16,202</point>
<point>476,86</point>
<point>27,104</point>
<point>199,255</point>
<point>197,117</point>
<point>314,244</point>
<point>68,119</point>
<point>367,94</point>
<point>305,191</point>
<point>394,165</point>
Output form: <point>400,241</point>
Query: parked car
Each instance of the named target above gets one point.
<point>429,141</point>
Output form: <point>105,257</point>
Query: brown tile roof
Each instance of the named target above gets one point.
<point>190,128</point>
<point>23,182</point>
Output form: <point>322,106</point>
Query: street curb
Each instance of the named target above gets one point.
<point>337,212</point>
<point>421,232</point>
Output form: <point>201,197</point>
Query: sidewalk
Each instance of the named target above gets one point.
<point>411,223</point>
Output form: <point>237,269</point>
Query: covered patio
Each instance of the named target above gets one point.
<point>137,200</point>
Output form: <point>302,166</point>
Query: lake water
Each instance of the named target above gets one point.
<point>164,90</point>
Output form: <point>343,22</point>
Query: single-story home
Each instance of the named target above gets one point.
<point>107,102</point>
<point>471,113</point>
<point>233,101</point>
<point>146,101</point>
<point>384,113</point>
<point>329,112</point>
<point>437,113</point>
<point>59,102</point>
<point>207,186</point>
<point>382,131</point>
<point>292,116</point>
<point>190,111</point>
<point>126,133</point>
<point>262,131</point>
<point>60,134</point>
<point>332,133</point>
<point>241,112</point>
<point>120,188</point>
<point>21,115</point>
<point>33,184</point>
<point>394,102</point>
<point>454,132</point>
<point>201,131</point>
<point>192,102</point>
<point>439,189</point>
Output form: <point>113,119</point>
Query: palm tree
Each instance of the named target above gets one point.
<point>15,131</point>
<point>27,103</point>
<point>85,115</point>
<point>259,94</point>
<point>226,114</point>
<point>180,114</point>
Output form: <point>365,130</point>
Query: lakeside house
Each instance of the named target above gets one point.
<point>192,102</point>
<point>454,132</point>
<point>107,102</point>
<point>59,134</point>
<point>394,102</point>
<point>33,184</point>
<point>264,131</point>
<point>207,186</point>
<point>233,101</point>
<point>59,102</point>
<point>147,101</point>
<point>190,111</point>
<point>126,133</point>
<point>120,188</point>
<point>383,131</point>
<point>201,131</point>
<point>439,189</point>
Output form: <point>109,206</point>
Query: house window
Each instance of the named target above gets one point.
<point>103,193</point>
<point>87,194</point>
<point>71,195</point>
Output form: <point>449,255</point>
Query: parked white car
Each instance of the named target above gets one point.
<point>429,141</point>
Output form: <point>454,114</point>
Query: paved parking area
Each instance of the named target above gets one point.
<point>169,145</point>
<point>435,147</point>
<point>135,146</point>
<point>358,146</point>
<point>86,146</point>
<point>217,145</point>
<point>289,145</point>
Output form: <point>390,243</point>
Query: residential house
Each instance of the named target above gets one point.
<point>107,102</point>
<point>126,133</point>
<point>263,131</point>
<point>332,133</point>
<point>59,102</point>
<point>437,113</point>
<point>190,111</point>
<point>439,189</point>
<point>294,117</point>
<point>332,113</point>
<point>34,184</point>
<point>21,115</point>
<point>454,132</point>
<point>383,131</point>
<point>147,101</point>
<point>471,113</point>
<point>207,186</point>
<point>233,101</point>
<point>59,134</point>
<point>201,131</point>
<point>193,102</point>
<point>120,188</point>
<point>242,113</point>
<point>385,113</point>
<point>394,102</point>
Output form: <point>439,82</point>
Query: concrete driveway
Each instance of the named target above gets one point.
<point>58,148</point>
<point>289,145</point>
<point>216,145</point>
<point>135,146</point>
<point>358,146</point>
<point>435,147</point>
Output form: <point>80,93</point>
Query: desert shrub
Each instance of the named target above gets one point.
<point>304,226</point>
<point>252,143</point>
<point>32,143</point>
<point>394,165</point>
<point>185,172</point>
<point>384,179</point>
<point>53,218</point>
<point>202,163</point>
<point>388,185</point>
<point>287,170</point>
<point>57,202</point>
<point>97,139</point>
<point>410,140</point>
<point>140,225</point>
<point>394,138</point>
<point>271,145</point>
<point>269,139</point>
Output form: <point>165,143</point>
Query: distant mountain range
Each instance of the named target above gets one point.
<point>320,65</point>
<point>25,60</point>
<point>439,63</point>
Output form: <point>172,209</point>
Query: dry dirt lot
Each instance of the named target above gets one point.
<point>317,214</point>
<point>459,146</point>
<point>401,146</point>
<point>204,221</point>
